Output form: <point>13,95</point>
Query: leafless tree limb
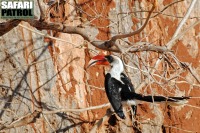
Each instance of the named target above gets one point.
<point>169,45</point>
<point>111,42</point>
<point>145,46</point>
<point>30,118</point>
<point>77,30</point>
<point>8,25</point>
<point>185,18</point>
<point>41,11</point>
<point>167,6</point>
<point>76,110</point>
<point>167,70</point>
<point>101,121</point>
<point>194,73</point>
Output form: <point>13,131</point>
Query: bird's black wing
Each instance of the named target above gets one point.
<point>134,96</point>
<point>113,87</point>
<point>127,83</point>
<point>128,87</point>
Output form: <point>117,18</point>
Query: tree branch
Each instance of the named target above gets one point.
<point>166,7</point>
<point>111,42</point>
<point>30,118</point>
<point>102,120</point>
<point>8,25</point>
<point>88,33</point>
<point>185,18</point>
<point>145,46</point>
<point>77,110</point>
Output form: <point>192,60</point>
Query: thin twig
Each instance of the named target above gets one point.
<point>101,121</point>
<point>167,6</point>
<point>169,45</point>
<point>184,19</point>
<point>30,118</point>
<point>77,110</point>
<point>46,35</point>
<point>49,123</point>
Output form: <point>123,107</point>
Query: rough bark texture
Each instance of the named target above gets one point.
<point>41,74</point>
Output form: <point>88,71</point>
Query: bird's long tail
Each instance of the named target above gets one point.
<point>157,99</point>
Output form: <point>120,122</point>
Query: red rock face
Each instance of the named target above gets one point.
<point>60,80</point>
<point>160,30</point>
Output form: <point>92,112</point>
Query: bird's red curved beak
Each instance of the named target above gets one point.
<point>98,60</point>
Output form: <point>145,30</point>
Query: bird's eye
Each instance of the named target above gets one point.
<point>109,58</point>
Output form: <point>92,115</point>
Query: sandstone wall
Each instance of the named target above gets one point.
<point>38,73</point>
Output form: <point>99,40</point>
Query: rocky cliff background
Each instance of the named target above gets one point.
<point>45,86</point>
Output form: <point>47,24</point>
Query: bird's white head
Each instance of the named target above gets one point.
<point>116,63</point>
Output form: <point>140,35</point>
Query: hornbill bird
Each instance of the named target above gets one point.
<point>120,90</point>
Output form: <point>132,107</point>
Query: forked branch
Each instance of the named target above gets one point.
<point>86,33</point>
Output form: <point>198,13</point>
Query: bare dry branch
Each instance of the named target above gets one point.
<point>41,11</point>
<point>162,69</point>
<point>111,42</point>
<point>77,110</point>
<point>114,38</point>
<point>184,19</point>
<point>194,73</point>
<point>25,120</point>
<point>77,30</point>
<point>169,45</point>
<point>101,121</point>
<point>46,35</point>
<point>145,46</point>
<point>167,6</point>
<point>8,25</point>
